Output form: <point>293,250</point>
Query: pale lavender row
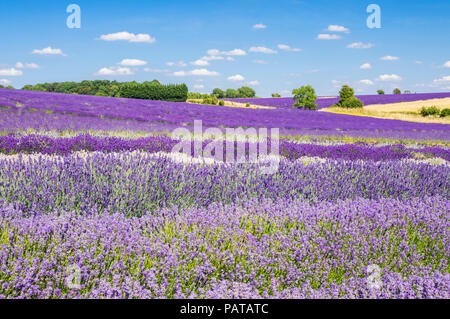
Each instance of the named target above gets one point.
<point>259,250</point>
<point>135,184</point>
<point>184,114</point>
<point>367,99</point>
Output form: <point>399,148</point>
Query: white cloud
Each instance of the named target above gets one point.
<point>360,45</point>
<point>196,72</point>
<point>229,58</point>
<point>217,53</point>
<point>389,58</point>
<point>325,36</point>
<point>10,72</point>
<point>259,26</point>
<point>420,62</point>
<point>49,51</point>
<point>262,50</point>
<point>259,62</point>
<point>366,82</point>
<point>111,71</point>
<point>337,28</point>
<point>365,66</point>
<point>236,78</point>
<point>286,47</point>
<point>21,65</point>
<point>213,52</point>
<point>199,86</point>
<point>235,52</point>
<point>253,83</point>
<point>200,62</point>
<point>212,58</point>
<point>444,79</point>
<point>127,36</point>
<point>132,62</point>
<point>447,64</point>
<point>5,82</point>
<point>389,77</point>
<point>179,64</point>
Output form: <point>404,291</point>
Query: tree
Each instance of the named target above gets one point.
<point>231,94</point>
<point>352,103</point>
<point>276,95</point>
<point>305,98</point>
<point>345,93</point>
<point>380,92</point>
<point>407,92</point>
<point>397,91</point>
<point>218,93</point>
<point>246,92</point>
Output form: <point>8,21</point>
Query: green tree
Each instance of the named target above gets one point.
<point>345,93</point>
<point>246,92</point>
<point>276,95</point>
<point>305,98</point>
<point>218,93</point>
<point>397,91</point>
<point>231,94</point>
<point>380,92</point>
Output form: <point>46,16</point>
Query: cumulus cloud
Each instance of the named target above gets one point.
<point>337,28</point>
<point>199,86</point>
<point>389,77</point>
<point>236,78</point>
<point>179,64</point>
<point>49,51</point>
<point>132,62</point>
<point>5,82</point>
<point>21,65</point>
<point>444,79</point>
<point>365,66</point>
<point>127,36</point>
<point>286,47</point>
<point>235,52</point>
<point>366,82</point>
<point>200,62</point>
<point>10,72</point>
<point>259,26</point>
<point>360,45</point>
<point>196,72</point>
<point>212,58</point>
<point>326,36</point>
<point>262,50</point>
<point>253,83</point>
<point>111,71</point>
<point>447,64</point>
<point>389,58</point>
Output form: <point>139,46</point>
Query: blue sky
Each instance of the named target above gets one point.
<point>209,44</point>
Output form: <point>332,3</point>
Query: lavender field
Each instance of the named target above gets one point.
<point>366,99</point>
<point>94,203</point>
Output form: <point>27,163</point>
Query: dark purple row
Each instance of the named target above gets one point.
<point>63,146</point>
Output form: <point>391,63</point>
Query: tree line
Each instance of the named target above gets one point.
<point>153,90</point>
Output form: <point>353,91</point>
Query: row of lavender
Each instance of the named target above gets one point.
<point>152,114</point>
<point>135,184</point>
<point>41,144</point>
<point>327,102</point>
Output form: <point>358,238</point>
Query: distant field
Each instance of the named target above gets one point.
<point>324,102</point>
<point>405,111</point>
